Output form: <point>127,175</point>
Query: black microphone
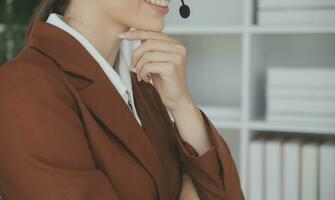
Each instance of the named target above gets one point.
<point>184,10</point>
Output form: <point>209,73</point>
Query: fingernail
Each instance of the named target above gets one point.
<point>138,78</point>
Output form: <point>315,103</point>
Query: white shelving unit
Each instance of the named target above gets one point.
<point>227,59</point>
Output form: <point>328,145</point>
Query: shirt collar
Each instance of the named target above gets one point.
<point>121,81</point>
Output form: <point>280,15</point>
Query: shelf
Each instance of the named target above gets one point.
<point>227,124</point>
<point>296,51</point>
<point>228,58</point>
<point>223,117</point>
<point>203,13</point>
<point>260,125</point>
<point>214,73</point>
<point>291,30</point>
<point>177,29</point>
<point>208,30</point>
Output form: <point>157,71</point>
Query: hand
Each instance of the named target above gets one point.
<point>162,59</point>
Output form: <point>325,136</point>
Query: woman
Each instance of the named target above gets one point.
<point>76,123</point>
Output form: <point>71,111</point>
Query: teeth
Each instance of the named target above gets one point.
<point>159,2</point>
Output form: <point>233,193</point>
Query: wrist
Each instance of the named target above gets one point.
<point>183,108</point>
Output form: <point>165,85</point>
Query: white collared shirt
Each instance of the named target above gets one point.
<point>121,79</point>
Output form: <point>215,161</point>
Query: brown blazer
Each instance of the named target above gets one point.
<point>66,133</point>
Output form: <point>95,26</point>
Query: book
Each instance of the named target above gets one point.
<point>327,171</point>
<point>291,169</point>
<point>273,169</point>
<point>256,170</point>
<point>295,3</point>
<point>311,120</point>
<point>296,17</point>
<point>309,177</point>
<point>301,106</point>
<point>301,77</point>
<point>300,93</point>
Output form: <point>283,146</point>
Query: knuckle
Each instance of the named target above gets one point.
<point>144,69</point>
<point>183,49</point>
<point>180,58</point>
<point>149,41</point>
<point>147,44</point>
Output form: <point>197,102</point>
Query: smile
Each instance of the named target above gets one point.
<point>162,3</point>
<point>161,6</point>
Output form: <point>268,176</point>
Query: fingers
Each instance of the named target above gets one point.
<point>162,68</point>
<point>158,53</point>
<point>144,35</point>
<point>156,45</point>
<point>157,56</point>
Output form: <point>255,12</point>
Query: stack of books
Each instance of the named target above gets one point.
<point>295,12</point>
<point>291,169</point>
<point>300,95</point>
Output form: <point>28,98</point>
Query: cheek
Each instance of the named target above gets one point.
<point>121,9</point>
<point>128,11</point>
<point>135,13</point>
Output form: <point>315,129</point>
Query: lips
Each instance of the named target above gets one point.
<point>161,3</point>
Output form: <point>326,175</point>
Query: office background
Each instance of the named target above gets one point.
<point>264,72</point>
<point>14,17</point>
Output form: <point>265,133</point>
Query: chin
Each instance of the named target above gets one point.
<point>155,26</point>
<point>158,28</point>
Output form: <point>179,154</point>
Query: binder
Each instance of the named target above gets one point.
<point>256,170</point>
<point>327,171</point>
<point>309,179</point>
<point>273,169</point>
<point>291,169</point>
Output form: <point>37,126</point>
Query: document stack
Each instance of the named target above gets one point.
<point>301,96</point>
<point>291,169</point>
<point>296,12</point>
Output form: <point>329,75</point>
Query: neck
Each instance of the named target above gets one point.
<point>101,31</point>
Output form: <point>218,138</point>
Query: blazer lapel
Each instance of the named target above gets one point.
<point>105,102</point>
<point>100,96</point>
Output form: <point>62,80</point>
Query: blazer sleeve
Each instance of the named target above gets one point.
<point>44,153</point>
<point>213,173</point>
